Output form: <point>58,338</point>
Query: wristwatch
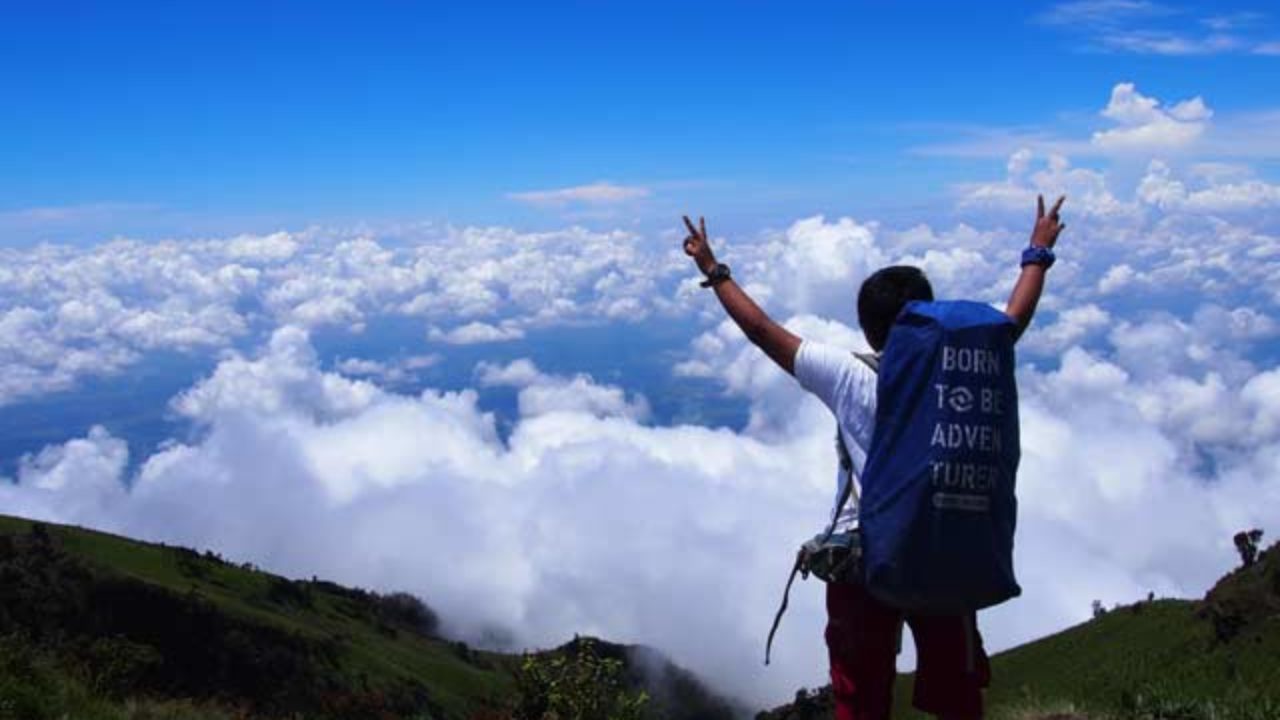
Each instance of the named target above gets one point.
<point>718,274</point>
<point>1038,255</point>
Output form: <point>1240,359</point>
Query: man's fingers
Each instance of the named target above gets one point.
<point>1039,207</point>
<point>1056,206</point>
<point>689,224</point>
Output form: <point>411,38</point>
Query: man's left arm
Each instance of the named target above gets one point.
<point>1026,292</point>
<point>775,340</point>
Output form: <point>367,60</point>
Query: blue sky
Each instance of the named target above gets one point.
<point>167,117</point>
<point>319,287</point>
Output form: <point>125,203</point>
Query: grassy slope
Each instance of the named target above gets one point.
<point>459,680</point>
<point>1211,659</point>
<point>374,652</point>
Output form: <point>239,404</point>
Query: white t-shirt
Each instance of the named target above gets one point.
<point>847,386</point>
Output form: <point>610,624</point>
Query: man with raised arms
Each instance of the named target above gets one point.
<point>862,633</point>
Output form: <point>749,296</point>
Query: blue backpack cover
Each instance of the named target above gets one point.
<point>938,507</point>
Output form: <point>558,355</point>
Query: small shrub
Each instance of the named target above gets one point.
<point>116,666</point>
<point>408,610</point>
<point>286,592</point>
<point>576,685</point>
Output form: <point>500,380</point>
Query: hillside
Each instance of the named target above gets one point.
<point>94,625</point>
<point>1212,659</point>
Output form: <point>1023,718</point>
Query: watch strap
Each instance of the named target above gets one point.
<point>718,274</point>
<point>1038,255</point>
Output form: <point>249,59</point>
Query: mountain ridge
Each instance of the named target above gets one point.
<point>96,625</point>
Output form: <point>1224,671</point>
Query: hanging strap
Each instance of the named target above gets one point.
<point>846,464</point>
<point>786,594</point>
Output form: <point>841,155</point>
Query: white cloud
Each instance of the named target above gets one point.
<point>96,457</point>
<point>1147,28</point>
<point>1116,278</point>
<point>542,394</point>
<point>392,371</point>
<point>1162,42</point>
<point>74,312</point>
<point>1087,190</point>
<point>818,258</point>
<point>1133,125</point>
<point>476,332</point>
<point>1071,326</point>
<point>276,246</point>
<point>1146,127</point>
<point>285,377</point>
<point>1100,12</point>
<point>598,193</point>
<point>1158,187</point>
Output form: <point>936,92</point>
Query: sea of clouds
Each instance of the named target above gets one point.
<point>1150,405</point>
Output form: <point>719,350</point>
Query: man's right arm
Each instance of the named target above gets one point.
<point>779,343</point>
<point>1026,293</point>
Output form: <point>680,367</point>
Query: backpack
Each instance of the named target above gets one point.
<point>938,509</point>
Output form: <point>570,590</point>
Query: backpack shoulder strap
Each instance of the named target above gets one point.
<point>872,361</point>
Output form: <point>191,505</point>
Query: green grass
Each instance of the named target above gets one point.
<point>1133,662</point>
<point>1211,659</point>
<point>264,642</point>
<point>374,653</point>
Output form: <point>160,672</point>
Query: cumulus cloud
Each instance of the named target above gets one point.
<point>1145,126</point>
<point>1131,125</point>
<point>391,371</point>
<point>1116,278</point>
<point>1087,188</point>
<point>541,394</point>
<point>69,312</point>
<point>1202,228</point>
<point>1071,326</point>
<point>1160,188</point>
<point>476,332</point>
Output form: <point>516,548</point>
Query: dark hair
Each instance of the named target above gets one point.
<point>882,296</point>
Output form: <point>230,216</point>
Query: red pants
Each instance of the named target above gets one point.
<point>863,636</point>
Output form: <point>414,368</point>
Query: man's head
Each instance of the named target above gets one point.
<point>882,296</point>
